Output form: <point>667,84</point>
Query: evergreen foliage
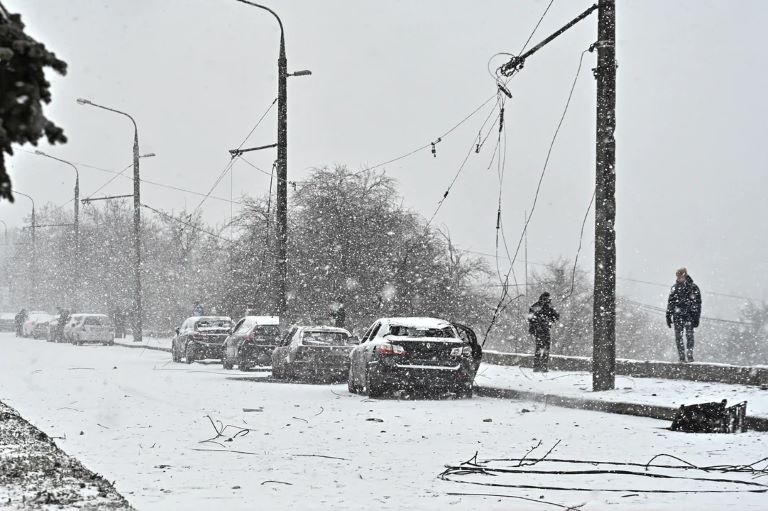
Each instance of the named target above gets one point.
<point>23,90</point>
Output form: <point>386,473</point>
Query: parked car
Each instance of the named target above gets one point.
<point>318,352</point>
<point>51,329</point>
<point>7,322</point>
<point>406,353</point>
<point>91,328</point>
<point>33,319</point>
<point>251,342</point>
<point>40,328</point>
<point>200,337</point>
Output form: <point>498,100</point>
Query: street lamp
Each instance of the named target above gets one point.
<point>33,273</point>
<point>77,221</point>
<point>282,161</point>
<point>139,310</point>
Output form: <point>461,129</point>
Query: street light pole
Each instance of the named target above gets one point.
<point>77,224</point>
<point>33,273</point>
<point>138,308</point>
<point>5,237</point>
<point>282,162</point>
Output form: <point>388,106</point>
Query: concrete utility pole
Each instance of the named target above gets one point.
<point>282,163</point>
<point>138,308</point>
<point>33,273</point>
<point>604,314</point>
<point>76,262</point>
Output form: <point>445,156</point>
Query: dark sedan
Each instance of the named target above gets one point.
<point>200,337</point>
<point>316,352</point>
<point>413,353</point>
<point>252,342</point>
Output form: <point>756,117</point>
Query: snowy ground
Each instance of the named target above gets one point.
<point>139,419</point>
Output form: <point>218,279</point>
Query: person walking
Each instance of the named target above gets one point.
<point>684,311</point>
<point>541,315</point>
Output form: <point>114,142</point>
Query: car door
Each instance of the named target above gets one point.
<point>280,355</point>
<point>367,347</point>
<point>355,367</point>
<point>230,346</point>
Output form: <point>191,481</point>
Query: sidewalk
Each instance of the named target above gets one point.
<point>649,397</point>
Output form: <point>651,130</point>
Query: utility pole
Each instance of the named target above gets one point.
<point>281,164</point>
<point>604,313</point>
<point>73,286</point>
<point>282,177</point>
<point>138,307</point>
<point>32,295</point>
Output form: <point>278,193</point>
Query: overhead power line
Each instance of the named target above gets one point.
<point>429,144</point>
<point>182,222</point>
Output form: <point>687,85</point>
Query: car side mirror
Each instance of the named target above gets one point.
<point>176,330</point>
<point>353,339</point>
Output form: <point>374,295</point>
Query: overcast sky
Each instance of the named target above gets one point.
<point>389,77</point>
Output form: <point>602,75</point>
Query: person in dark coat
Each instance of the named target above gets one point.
<point>338,313</point>
<point>19,320</point>
<point>64,317</point>
<point>684,311</point>
<point>541,315</point>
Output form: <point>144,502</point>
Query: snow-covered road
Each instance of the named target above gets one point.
<point>139,419</point>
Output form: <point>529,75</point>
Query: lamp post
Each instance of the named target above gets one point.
<point>282,161</point>
<point>33,273</point>
<point>77,222</point>
<point>138,309</point>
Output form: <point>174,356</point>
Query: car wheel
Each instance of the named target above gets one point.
<point>242,364</point>
<point>226,364</point>
<point>374,388</point>
<point>351,383</point>
<point>464,391</point>
<point>189,354</point>
<point>277,372</point>
<point>175,354</point>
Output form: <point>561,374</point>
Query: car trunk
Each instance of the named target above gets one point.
<point>211,335</point>
<point>431,351</point>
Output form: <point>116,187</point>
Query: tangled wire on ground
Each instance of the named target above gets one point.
<point>499,466</point>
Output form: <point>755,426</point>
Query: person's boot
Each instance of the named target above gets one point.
<point>690,355</point>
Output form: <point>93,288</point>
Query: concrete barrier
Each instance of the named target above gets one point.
<point>598,405</point>
<point>696,371</point>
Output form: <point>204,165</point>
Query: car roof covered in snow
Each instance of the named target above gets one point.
<point>264,320</point>
<point>323,328</point>
<point>210,318</point>
<point>419,323</point>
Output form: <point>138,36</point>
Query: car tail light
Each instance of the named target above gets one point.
<point>390,349</point>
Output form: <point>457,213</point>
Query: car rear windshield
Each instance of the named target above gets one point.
<point>410,331</point>
<point>266,331</point>
<point>95,321</point>
<point>213,323</point>
<point>324,338</point>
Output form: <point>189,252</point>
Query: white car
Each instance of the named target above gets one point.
<point>90,328</point>
<point>35,317</point>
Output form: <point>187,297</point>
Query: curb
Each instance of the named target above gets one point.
<point>143,347</point>
<point>596,405</point>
